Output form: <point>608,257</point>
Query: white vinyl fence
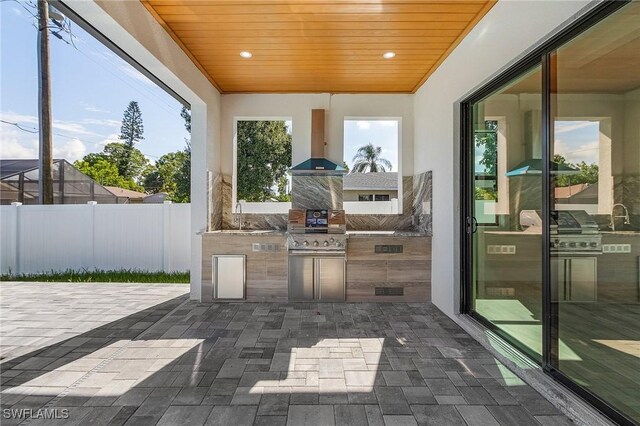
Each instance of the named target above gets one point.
<point>147,237</point>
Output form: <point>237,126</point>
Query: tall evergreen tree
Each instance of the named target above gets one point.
<point>131,132</point>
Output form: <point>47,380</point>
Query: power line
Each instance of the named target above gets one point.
<point>19,127</point>
<point>24,129</point>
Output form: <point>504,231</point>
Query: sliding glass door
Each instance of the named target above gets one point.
<point>595,107</point>
<point>552,207</point>
<point>507,263</point>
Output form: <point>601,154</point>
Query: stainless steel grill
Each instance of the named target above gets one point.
<point>572,231</point>
<point>317,244</point>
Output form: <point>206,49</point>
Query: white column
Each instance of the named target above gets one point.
<point>199,142</point>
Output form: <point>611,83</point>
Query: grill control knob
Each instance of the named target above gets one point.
<point>594,244</point>
<point>338,244</point>
<point>296,244</point>
<point>306,243</point>
<point>563,244</point>
<point>316,243</point>
<point>583,244</point>
<point>332,240</point>
<point>572,244</point>
<point>326,243</point>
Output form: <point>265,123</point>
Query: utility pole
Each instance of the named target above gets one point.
<point>45,159</point>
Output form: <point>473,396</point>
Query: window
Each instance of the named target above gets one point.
<point>371,156</point>
<point>263,158</point>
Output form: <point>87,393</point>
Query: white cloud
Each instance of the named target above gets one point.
<point>92,108</point>
<point>16,11</point>
<point>18,118</point>
<point>109,139</point>
<point>14,149</point>
<point>588,152</point>
<point>21,145</point>
<point>570,126</point>
<point>70,128</point>
<point>71,150</point>
<point>135,74</point>
<point>363,125</point>
<point>102,122</point>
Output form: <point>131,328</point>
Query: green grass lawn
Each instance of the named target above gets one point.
<point>99,276</point>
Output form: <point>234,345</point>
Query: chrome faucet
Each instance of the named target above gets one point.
<point>613,218</point>
<point>238,217</point>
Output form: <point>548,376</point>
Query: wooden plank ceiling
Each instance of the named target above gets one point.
<point>318,45</point>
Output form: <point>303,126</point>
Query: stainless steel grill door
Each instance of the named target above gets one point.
<point>300,278</point>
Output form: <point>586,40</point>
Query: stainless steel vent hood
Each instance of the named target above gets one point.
<point>317,164</point>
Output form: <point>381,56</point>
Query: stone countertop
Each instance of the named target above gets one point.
<point>368,234</point>
<point>252,232</point>
<point>355,234</point>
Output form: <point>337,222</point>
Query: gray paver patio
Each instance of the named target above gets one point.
<point>39,315</point>
<point>182,362</point>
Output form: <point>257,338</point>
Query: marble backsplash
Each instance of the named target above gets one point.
<point>316,192</point>
<point>416,215</point>
<point>215,208</point>
<point>422,197</point>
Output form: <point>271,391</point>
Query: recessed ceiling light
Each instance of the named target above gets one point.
<point>389,55</point>
<point>246,54</point>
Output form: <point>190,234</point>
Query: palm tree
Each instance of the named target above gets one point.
<point>368,160</point>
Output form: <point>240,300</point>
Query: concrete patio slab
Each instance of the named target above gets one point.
<point>174,361</point>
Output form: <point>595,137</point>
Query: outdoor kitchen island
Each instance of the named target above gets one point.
<point>314,248</point>
<point>381,266</point>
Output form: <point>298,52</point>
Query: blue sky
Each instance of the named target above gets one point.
<point>91,87</point>
<point>382,133</point>
<point>578,141</point>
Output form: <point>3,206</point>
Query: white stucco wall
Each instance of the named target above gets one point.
<point>505,34</point>
<point>131,27</point>
<point>298,107</point>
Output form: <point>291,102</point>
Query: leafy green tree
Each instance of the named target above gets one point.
<point>183,175</point>
<point>99,168</point>
<point>588,172</point>
<point>138,165</point>
<point>488,140</point>
<point>103,166</point>
<point>162,177</point>
<point>264,157</point>
<point>185,113</point>
<point>368,159</point>
<point>131,132</point>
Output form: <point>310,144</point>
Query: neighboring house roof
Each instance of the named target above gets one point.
<point>10,167</point>
<point>157,198</point>
<point>570,191</point>
<point>382,181</point>
<point>126,193</point>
